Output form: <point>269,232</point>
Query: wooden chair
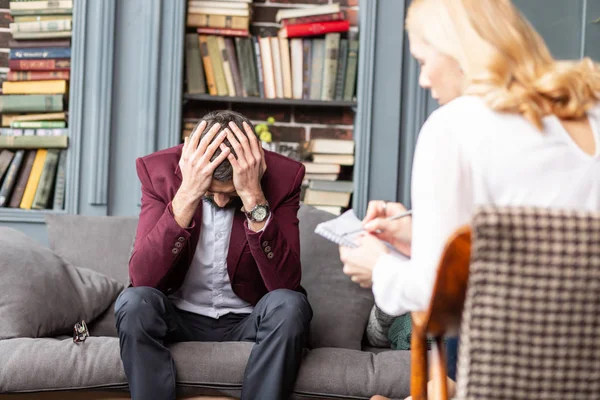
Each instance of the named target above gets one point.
<point>530,325</point>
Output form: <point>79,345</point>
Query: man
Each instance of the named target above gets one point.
<point>216,258</point>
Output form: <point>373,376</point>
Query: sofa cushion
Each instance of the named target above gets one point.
<point>103,244</point>
<point>41,294</point>
<point>340,307</point>
<point>202,368</point>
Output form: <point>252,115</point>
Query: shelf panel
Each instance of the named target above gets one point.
<point>19,215</point>
<point>258,100</point>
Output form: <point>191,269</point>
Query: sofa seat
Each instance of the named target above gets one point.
<point>41,365</point>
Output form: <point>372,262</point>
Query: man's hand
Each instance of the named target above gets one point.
<point>248,167</point>
<point>398,233</point>
<point>197,170</point>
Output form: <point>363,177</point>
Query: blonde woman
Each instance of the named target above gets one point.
<point>516,127</point>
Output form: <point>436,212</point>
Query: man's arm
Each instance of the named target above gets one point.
<point>276,249</point>
<point>160,240</point>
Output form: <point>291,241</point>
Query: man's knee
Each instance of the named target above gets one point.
<point>290,306</point>
<point>135,306</point>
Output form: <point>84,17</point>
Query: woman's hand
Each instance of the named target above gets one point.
<point>398,233</point>
<point>360,261</point>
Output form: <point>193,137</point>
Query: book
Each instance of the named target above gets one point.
<point>286,67</point>
<point>342,159</point>
<point>6,157</point>
<point>11,177</point>
<point>341,70</point>
<point>42,11</point>
<point>306,67</point>
<point>230,12</point>
<point>40,65</point>
<point>59,187</point>
<point>351,70</point>
<point>21,44</point>
<point>217,65</point>
<point>40,53</point>
<point>337,16</point>
<point>245,56</point>
<point>235,67</point>
<point>223,31</point>
<point>22,178</point>
<point>217,21</point>
<point>37,75</point>
<point>38,124</point>
<point>32,18</point>
<point>296,50</point>
<point>193,65</point>
<point>318,60</point>
<point>41,26</point>
<point>34,179</point>
<point>314,168</point>
<point>321,177</point>
<point>34,142</point>
<point>226,66</point>
<point>331,146</point>
<point>314,29</point>
<point>218,4</point>
<point>326,198</point>
<point>42,194</point>
<point>206,62</point>
<point>34,87</point>
<point>332,186</point>
<point>267,65</point>
<point>305,12</point>
<point>8,118</point>
<point>39,5</point>
<point>332,44</point>
<point>277,69</point>
<point>41,35</point>
<point>31,103</point>
<point>259,66</point>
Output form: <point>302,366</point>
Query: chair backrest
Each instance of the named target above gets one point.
<point>531,321</point>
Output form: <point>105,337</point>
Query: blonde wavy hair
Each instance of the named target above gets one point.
<point>505,61</point>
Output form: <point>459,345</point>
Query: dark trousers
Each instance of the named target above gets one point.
<point>147,321</point>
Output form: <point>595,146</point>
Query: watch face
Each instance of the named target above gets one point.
<point>259,214</point>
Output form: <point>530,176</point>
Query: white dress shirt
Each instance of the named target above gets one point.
<point>206,289</point>
<point>469,155</point>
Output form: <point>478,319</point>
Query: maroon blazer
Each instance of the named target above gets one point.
<point>257,262</point>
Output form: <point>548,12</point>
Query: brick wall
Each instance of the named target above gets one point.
<point>292,123</point>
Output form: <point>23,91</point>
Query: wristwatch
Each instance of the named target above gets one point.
<point>259,213</point>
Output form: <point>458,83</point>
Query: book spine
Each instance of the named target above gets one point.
<point>226,66</point>
<point>319,28</point>
<point>22,178</point>
<point>243,66</point>
<point>39,5</point>
<point>11,177</point>
<point>341,71</point>
<point>316,80</point>
<point>40,65</point>
<point>8,118</point>
<point>18,44</point>
<point>286,66</point>
<point>30,103</point>
<point>38,124</point>
<point>217,21</point>
<point>235,68</point>
<point>217,64</point>
<point>61,177</point>
<point>311,19</point>
<point>42,194</point>
<point>227,12</point>
<point>223,32</point>
<point>28,54</point>
<point>6,157</point>
<point>34,87</point>
<point>41,35</point>
<point>259,67</point>
<point>277,69</point>
<point>33,142</point>
<point>297,75</point>
<point>249,60</point>
<point>208,69</point>
<point>49,11</point>
<point>306,67</point>
<point>332,45</point>
<point>267,64</point>
<point>350,84</point>
<point>41,26</point>
<point>193,65</point>
<point>34,179</point>
<point>37,75</point>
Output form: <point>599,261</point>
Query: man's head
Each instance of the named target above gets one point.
<point>222,191</point>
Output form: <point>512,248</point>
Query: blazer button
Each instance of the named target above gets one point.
<point>178,244</point>
<point>270,255</point>
<point>267,249</point>
<point>181,239</point>
<point>175,250</point>
<point>265,243</point>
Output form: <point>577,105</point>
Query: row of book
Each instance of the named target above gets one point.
<point>273,67</point>
<point>34,106</point>
<point>223,17</point>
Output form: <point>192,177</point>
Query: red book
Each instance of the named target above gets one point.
<point>338,16</point>
<point>223,32</point>
<point>39,65</point>
<point>317,28</point>
<point>37,75</point>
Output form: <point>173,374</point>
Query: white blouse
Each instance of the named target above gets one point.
<point>469,155</point>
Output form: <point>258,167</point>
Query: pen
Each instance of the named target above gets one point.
<point>392,218</point>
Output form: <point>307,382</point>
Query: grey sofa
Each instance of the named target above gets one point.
<point>337,366</point>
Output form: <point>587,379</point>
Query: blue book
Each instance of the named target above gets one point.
<point>40,53</point>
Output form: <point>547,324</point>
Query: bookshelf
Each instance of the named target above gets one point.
<point>258,100</point>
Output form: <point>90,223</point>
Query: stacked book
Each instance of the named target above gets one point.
<point>237,65</point>
<point>219,17</point>
<point>33,104</point>
<point>326,185</point>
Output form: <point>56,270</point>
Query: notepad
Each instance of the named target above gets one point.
<point>337,229</point>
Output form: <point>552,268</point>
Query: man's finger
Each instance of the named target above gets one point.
<point>239,151</point>
<point>207,139</point>
<point>253,140</point>
<point>195,139</point>
<point>242,139</point>
<point>216,143</point>
<point>234,163</point>
<point>225,152</point>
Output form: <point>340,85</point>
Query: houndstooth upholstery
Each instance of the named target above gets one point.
<point>531,322</point>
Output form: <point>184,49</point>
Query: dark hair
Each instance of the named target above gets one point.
<point>224,172</point>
